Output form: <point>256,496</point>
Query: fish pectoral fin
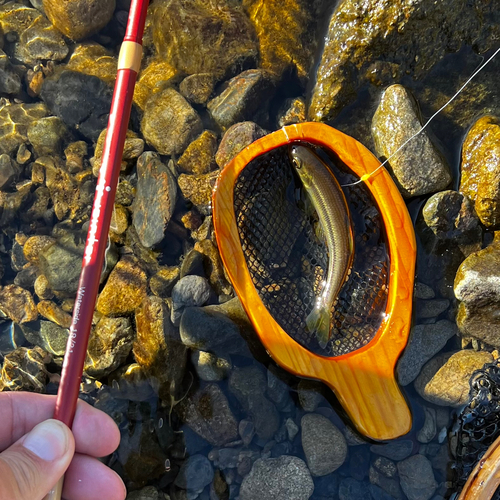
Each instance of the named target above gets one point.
<point>318,322</point>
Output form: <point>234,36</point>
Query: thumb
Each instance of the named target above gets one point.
<point>34,464</point>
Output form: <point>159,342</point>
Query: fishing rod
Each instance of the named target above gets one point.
<point>129,63</point>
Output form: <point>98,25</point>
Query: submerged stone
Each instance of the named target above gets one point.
<point>199,157</point>
<point>46,135</point>
<point>14,122</point>
<point>409,35</point>
<point>78,19</point>
<point>169,122</point>
<point>9,171</point>
<point>10,81</point>
<point>246,97</point>
<point>93,59</point>
<point>24,370</point>
<point>417,478</point>
<point>198,190</point>
<point>209,367</point>
<point>125,288</point>
<point>54,313</point>
<point>47,335</point>
<point>196,36</point>
<point>36,244</point>
<point>480,179</point>
<point>292,111</point>
<point>418,168</point>
<point>195,473</point>
<point>198,88</point>
<point>190,291</point>
<point>17,304</point>
<point>155,199</point>
<point>162,283</point>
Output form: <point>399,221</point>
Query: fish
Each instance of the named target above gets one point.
<point>329,202</point>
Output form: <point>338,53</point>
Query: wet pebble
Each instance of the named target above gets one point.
<point>417,478</point>
<point>207,413</point>
<point>237,138</point>
<point>42,288</point>
<point>351,489</point>
<point>444,380</point>
<point>293,111</point>
<point>9,171</point>
<point>277,388</point>
<point>26,277</point>
<point>54,313</point>
<point>292,429</point>
<point>199,157</point>
<point>65,94</point>
<point>246,97</point>
<point>420,168</point>
<point>283,478</point>
<point>17,304</point>
<point>125,288</point>
<point>428,431</point>
<point>162,283</point>
<point>324,445</point>
<point>110,344</point>
<point>310,394</point>
<point>431,308</point>
<point>169,111</point>
<point>155,199</point>
<point>476,289</point>
<point>78,19</point>
<point>209,367</point>
<point>425,341</point>
<point>25,370</point>
<point>190,291</point>
<point>192,263</point>
<point>93,59</point>
<point>247,385</point>
<point>246,430</point>
<point>198,88</point>
<point>47,335</point>
<point>423,291</point>
<point>198,190</point>
<point>195,473</point>
<point>395,450</point>
<point>480,170</point>
<point>46,135</point>
<point>10,81</point>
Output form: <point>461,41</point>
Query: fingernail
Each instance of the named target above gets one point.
<point>48,440</point>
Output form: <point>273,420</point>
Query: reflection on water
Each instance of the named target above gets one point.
<point>202,409</point>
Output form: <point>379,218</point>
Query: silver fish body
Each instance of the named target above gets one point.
<point>329,202</point>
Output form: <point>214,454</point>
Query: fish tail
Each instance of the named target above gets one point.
<point>318,322</point>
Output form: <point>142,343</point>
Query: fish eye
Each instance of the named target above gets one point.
<point>296,163</point>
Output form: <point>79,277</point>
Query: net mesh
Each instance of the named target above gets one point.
<point>478,425</point>
<point>288,259</point>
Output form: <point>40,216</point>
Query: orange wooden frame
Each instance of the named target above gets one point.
<point>362,380</point>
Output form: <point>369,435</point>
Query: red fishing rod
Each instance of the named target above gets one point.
<point>129,63</point>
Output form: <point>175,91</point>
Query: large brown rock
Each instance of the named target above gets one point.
<point>396,37</point>
<point>480,180</point>
<point>78,19</point>
<point>476,286</point>
<point>196,36</point>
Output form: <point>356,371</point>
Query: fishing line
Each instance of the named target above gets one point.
<point>367,176</point>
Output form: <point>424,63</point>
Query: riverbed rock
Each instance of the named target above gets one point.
<point>169,122</point>
<point>46,135</point>
<point>283,478</point>
<point>419,168</point>
<point>399,38</point>
<point>417,478</point>
<point>125,288</point>
<point>324,445</point>
<point>425,341</point>
<point>201,37</point>
<point>237,138</point>
<point>480,179</point>
<point>17,304</point>
<point>36,38</point>
<point>155,199</point>
<point>190,291</point>
<point>54,313</point>
<point>209,367</point>
<point>34,245</point>
<point>14,122</point>
<point>10,81</point>
<point>25,370</point>
<point>198,88</point>
<point>93,59</point>
<point>212,265</point>
<point>394,450</point>
<point>248,385</point>
<point>156,349</point>
<point>64,97</point>
<point>287,44</point>
<point>162,283</point>
<point>246,97</point>
<point>78,19</point>
<point>428,431</point>
<point>47,335</point>
<point>42,288</point>
<point>475,287</point>
<point>212,331</point>
<point>444,380</point>
<point>110,344</point>
<point>199,155</point>
<point>207,413</point>
<point>9,171</point>
<point>195,473</point>
<point>292,111</point>
<point>311,394</point>
<point>198,190</point>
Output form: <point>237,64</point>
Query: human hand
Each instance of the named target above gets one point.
<point>36,452</point>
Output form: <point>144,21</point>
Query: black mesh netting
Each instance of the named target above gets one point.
<point>287,259</point>
<point>478,425</point>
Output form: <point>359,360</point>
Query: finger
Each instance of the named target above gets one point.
<point>87,478</point>
<point>95,432</point>
<point>34,464</point>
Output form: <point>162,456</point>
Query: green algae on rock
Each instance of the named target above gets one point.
<point>17,304</point>
<point>196,36</point>
<point>418,168</point>
<point>93,59</point>
<point>480,169</point>
<point>199,157</point>
<point>198,190</point>
<point>198,88</point>
<point>78,19</point>
<point>169,122</point>
<point>414,35</point>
